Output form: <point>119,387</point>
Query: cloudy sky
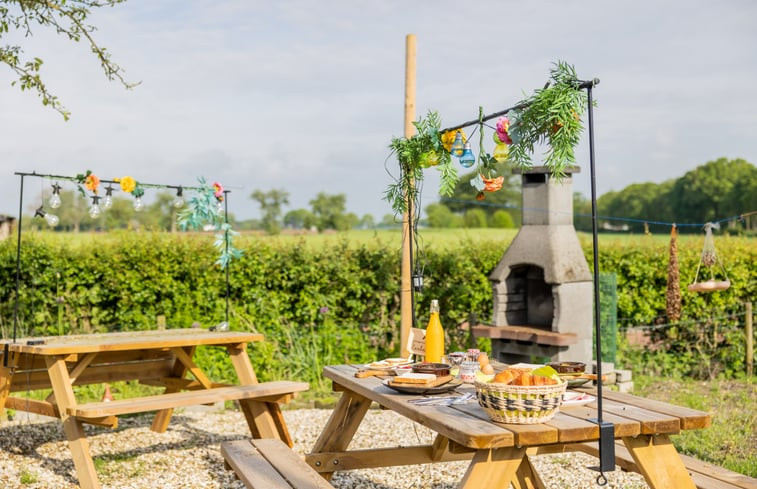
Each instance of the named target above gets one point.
<point>305,96</point>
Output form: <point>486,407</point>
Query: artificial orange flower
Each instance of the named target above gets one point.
<point>480,196</point>
<point>492,184</point>
<point>91,182</point>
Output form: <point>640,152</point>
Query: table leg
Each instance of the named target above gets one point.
<point>342,425</point>
<point>264,418</point>
<point>493,468</point>
<point>163,417</point>
<point>527,477</point>
<point>73,428</point>
<point>658,461</point>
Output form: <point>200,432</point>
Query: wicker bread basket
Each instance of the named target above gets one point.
<point>520,404</point>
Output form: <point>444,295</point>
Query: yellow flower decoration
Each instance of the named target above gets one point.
<point>449,137</point>
<point>128,184</point>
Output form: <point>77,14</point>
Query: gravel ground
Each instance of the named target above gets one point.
<point>34,454</point>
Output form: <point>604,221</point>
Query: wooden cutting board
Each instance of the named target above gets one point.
<point>433,383</point>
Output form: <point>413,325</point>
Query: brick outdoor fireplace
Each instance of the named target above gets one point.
<point>542,287</point>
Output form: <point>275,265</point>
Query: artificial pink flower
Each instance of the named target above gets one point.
<point>503,126</point>
<point>218,188</point>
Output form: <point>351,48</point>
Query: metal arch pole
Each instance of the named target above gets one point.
<point>606,430</point>
<point>6,350</point>
<point>226,239</point>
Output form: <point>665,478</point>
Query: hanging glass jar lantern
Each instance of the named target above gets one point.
<point>467,159</point>
<point>458,147</point>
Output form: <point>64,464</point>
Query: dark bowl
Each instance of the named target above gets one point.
<point>438,369</point>
<point>568,367</point>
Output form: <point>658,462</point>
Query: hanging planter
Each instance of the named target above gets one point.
<point>709,259</point>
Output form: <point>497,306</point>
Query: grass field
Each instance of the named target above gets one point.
<point>731,441</point>
<point>384,237</point>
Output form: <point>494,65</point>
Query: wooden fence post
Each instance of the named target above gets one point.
<point>749,333</point>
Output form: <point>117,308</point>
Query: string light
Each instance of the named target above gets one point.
<point>51,219</point>
<point>94,210</point>
<point>138,204</point>
<point>108,199</point>
<point>178,201</point>
<point>55,201</point>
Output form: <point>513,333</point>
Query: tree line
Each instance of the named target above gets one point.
<point>713,191</point>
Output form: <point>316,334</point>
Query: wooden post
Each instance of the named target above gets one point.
<point>406,290</point>
<point>749,333</point>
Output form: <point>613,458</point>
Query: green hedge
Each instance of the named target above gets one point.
<point>340,302</point>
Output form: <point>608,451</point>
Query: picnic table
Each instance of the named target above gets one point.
<point>160,358</point>
<point>499,452</point>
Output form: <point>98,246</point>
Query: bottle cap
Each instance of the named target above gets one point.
<point>434,305</point>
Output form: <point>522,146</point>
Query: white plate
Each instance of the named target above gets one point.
<point>572,398</point>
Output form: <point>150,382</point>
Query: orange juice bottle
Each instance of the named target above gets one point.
<point>434,335</point>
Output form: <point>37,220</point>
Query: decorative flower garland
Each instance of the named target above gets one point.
<point>204,208</point>
<point>551,116</point>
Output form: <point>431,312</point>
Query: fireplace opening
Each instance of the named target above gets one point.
<point>530,301</point>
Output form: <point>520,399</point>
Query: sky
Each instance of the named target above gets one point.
<point>305,96</point>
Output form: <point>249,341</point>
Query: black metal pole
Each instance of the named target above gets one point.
<point>226,237</point>
<point>410,224</point>
<point>606,430</point>
<point>18,257</point>
<point>6,347</point>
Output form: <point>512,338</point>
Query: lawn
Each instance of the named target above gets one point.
<point>731,441</point>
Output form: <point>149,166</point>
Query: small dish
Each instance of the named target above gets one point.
<point>568,367</point>
<point>415,389</point>
<point>438,369</point>
<point>572,398</point>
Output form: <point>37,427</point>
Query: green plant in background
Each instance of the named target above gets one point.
<point>278,287</point>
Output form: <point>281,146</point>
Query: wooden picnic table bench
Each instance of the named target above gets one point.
<point>270,464</point>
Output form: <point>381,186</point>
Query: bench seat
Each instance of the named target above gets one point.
<point>274,391</point>
<point>270,464</point>
<point>705,475</point>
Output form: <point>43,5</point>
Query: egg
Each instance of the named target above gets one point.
<point>483,359</point>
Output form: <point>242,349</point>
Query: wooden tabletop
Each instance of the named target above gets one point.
<point>132,340</point>
<point>470,426</point>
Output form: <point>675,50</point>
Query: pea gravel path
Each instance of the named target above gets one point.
<point>34,454</point>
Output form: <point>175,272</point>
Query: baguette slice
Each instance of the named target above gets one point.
<point>414,378</point>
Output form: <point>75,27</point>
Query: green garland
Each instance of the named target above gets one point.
<point>551,116</point>
<point>202,208</point>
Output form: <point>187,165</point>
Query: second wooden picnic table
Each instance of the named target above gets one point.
<point>499,452</point>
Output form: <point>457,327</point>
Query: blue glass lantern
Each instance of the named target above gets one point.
<point>467,159</point>
<point>457,147</point>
